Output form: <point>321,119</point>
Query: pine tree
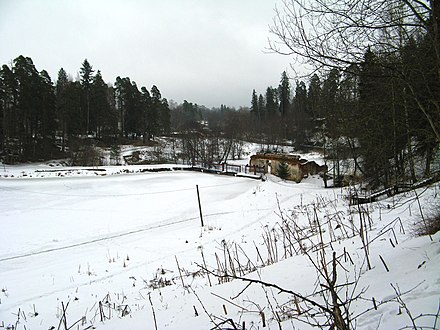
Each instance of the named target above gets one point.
<point>146,104</point>
<point>130,104</point>
<point>165,116</point>
<point>156,99</point>
<point>120,95</point>
<point>314,97</point>
<point>330,98</point>
<point>283,170</point>
<point>300,113</point>
<point>46,121</point>
<point>61,103</point>
<point>28,109</point>
<point>261,107</point>
<point>284,94</point>
<point>134,110</point>
<point>74,121</point>
<point>375,125</point>
<point>254,105</point>
<point>8,100</point>
<point>271,102</point>
<point>86,73</point>
<point>27,114</point>
<point>99,102</point>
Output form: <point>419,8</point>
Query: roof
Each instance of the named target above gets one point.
<point>280,157</point>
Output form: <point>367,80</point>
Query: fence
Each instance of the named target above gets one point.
<point>226,168</point>
<point>391,191</point>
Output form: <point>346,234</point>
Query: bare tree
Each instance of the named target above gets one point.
<point>334,34</point>
<point>325,34</point>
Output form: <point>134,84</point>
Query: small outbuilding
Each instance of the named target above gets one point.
<point>298,168</point>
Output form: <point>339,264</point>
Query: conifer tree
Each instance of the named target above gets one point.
<point>27,113</point>
<point>284,93</point>
<point>314,97</point>
<point>254,105</point>
<point>261,107</point>
<point>8,104</point>
<point>165,117</point>
<point>46,121</point>
<point>86,73</point>
<point>283,170</point>
<point>99,102</point>
<point>156,105</point>
<point>271,102</point>
<point>61,104</point>
<point>300,113</point>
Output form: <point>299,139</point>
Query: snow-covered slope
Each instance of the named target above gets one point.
<point>108,248</point>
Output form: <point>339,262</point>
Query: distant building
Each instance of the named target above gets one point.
<point>298,168</point>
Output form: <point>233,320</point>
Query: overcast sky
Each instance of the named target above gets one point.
<point>209,52</point>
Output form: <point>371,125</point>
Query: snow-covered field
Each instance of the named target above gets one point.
<point>106,248</point>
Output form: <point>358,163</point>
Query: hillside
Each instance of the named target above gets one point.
<point>127,251</point>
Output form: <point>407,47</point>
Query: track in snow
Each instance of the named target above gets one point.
<point>101,239</point>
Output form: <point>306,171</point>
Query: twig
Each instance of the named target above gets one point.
<point>383,261</point>
<point>154,313</point>
<point>403,305</point>
<point>272,285</point>
<point>203,306</point>
<point>230,302</point>
<point>204,263</point>
<point>180,272</point>
<point>236,296</point>
<point>217,326</point>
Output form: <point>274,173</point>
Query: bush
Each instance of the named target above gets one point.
<point>86,156</point>
<point>283,171</point>
<point>430,225</point>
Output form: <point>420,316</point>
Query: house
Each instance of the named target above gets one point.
<point>298,168</point>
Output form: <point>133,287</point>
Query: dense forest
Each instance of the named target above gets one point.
<point>374,95</point>
<point>36,113</point>
<point>42,120</point>
<point>379,110</point>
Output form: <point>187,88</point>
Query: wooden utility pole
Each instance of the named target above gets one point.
<point>200,205</point>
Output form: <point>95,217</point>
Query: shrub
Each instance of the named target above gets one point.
<point>430,224</point>
<point>283,171</point>
<point>86,156</point>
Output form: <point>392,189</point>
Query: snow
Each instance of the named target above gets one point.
<point>77,236</point>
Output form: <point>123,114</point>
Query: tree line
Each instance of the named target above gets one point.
<point>374,96</point>
<point>41,119</point>
<point>35,112</point>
